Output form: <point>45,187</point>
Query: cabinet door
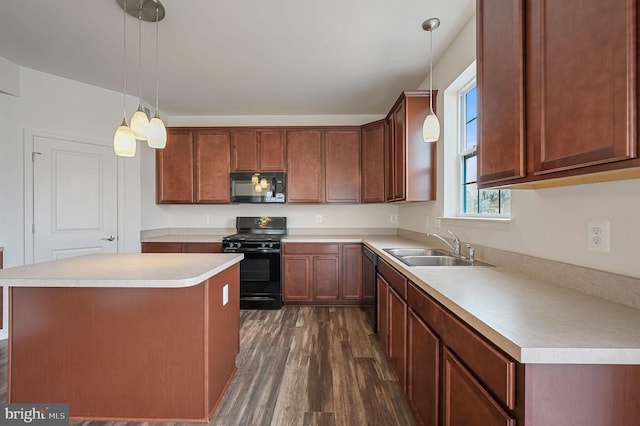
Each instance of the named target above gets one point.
<point>399,153</point>
<point>397,335</point>
<point>161,247</point>
<point>296,278</point>
<point>213,167</point>
<point>342,166</point>
<point>389,156</point>
<point>500,78</point>
<point>423,370</point>
<point>304,166</point>
<point>466,402</point>
<point>326,277</point>
<point>383,312</point>
<point>372,155</point>
<point>272,152</point>
<point>351,283</point>
<point>245,150</point>
<point>581,83</point>
<point>202,247</point>
<point>174,168</point>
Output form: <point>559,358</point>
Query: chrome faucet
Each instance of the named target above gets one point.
<point>455,247</point>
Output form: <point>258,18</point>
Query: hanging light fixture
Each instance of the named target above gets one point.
<point>148,11</point>
<point>157,134</point>
<point>431,126</point>
<point>140,121</point>
<point>124,142</point>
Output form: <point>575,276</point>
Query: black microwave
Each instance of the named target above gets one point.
<point>258,187</point>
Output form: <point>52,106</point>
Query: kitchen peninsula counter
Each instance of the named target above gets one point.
<point>127,337</point>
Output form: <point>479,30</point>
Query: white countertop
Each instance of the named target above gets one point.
<point>531,320</point>
<point>185,238</point>
<point>151,270</point>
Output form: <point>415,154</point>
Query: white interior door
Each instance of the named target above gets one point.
<point>75,197</point>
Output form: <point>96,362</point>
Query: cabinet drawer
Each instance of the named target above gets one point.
<point>311,248</point>
<point>492,367</point>
<point>396,280</point>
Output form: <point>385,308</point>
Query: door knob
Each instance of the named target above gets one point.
<point>109,238</point>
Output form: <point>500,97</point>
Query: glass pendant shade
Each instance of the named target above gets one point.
<point>157,134</point>
<point>431,128</point>
<point>258,188</point>
<point>124,142</point>
<point>140,124</point>
<point>263,183</point>
<point>255,179</point>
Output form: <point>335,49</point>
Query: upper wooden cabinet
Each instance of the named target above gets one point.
<point>580,87</point>
<point>194,167</point>
<point>258,150</point>
<point>323,165</point>
<point>212,167</point>
<point>372,160</point>
<point>304,166</point>
<point>174,168</point>
<point>342,166</point>
<point>411,163</point>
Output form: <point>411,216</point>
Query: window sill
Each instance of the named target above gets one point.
<point>476,219</point>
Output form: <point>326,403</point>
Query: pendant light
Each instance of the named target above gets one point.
<point>157,135</point>
<point>431,126</point>
<point>140,121</point>
<point>124,142</point>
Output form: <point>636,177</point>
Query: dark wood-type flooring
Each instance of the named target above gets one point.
<point>303,366</point>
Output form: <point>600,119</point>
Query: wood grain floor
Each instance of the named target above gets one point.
<point>304,366</point>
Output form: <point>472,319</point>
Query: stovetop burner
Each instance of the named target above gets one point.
<point>256,234</point>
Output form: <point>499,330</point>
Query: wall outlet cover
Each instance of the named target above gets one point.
<point>598,236</point>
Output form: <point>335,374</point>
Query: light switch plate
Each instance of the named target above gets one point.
<point>225,294</point>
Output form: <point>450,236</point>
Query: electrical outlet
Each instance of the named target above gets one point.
<point>598,236</point>
<point>438,223</point>
<point>426,222</point>
<point>393,218</point>
<point>206,218</point>
<point>318,218</point>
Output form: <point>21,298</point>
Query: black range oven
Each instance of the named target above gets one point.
<point>259,239</point>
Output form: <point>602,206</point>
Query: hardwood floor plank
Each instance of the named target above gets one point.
<point>301,365</point>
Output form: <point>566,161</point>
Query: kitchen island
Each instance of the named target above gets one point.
<point>126,337</point>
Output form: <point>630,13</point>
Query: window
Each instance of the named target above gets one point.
<point>475,202</point>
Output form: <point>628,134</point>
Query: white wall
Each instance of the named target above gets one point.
<point>547,223</point>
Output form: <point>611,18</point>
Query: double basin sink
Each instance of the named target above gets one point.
<point>430,257</point>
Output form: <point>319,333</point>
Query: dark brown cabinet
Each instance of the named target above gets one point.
<point>398,335</point>
<point>322,273</point>
<point>258,150</point>
<point>411,163</point>
<point>212,151</point>
<point>423,370</point>
<point>352,279</point>
<point>372,160</point>
<point>175,168</point>
<point>304,166</point>
<point>466,401</point>
<point>571,109</point>
<point>194,167</point>
<point>175,247</point>
<point>342,166</point>
<point>382,307</point>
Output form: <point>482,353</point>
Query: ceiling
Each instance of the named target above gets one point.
<point>243,57</point>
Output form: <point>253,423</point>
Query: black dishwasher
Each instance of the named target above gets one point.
<point>369,286</point>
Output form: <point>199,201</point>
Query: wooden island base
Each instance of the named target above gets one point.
<point>125,354</point>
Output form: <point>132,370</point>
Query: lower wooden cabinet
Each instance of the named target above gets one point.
<point>322,273</point>
<point>423,370</point>
<point>466,401</point>
<point>382,307</point>
<point>398,335</point>
<point>174,247</point>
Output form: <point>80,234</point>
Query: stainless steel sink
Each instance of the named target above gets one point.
<point>400,252</point>
<point>435,261</point>
<point>430,257</point>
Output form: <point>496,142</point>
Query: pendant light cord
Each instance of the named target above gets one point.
<point>140,50</point>
<point>431,72</point>
<point>124,59</point>
<point>157,55</point>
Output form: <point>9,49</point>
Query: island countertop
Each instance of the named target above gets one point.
<point>149,270</point>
